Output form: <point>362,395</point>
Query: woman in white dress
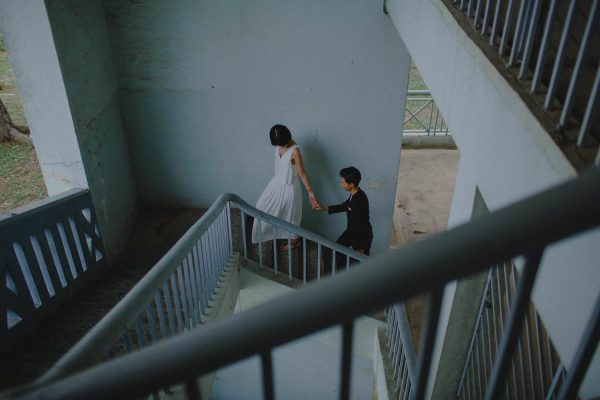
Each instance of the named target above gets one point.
<point>282,197</point>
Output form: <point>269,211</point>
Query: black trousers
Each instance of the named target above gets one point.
<point>349,240</point>
<point>341,261</point>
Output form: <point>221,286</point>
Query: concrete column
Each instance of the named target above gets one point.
<point>31,50</point>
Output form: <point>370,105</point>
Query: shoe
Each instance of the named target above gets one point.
<point>295,244</point>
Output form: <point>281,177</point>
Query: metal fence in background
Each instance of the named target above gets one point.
<point>421,115</point>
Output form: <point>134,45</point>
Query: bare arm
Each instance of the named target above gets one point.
<point>299,165</point>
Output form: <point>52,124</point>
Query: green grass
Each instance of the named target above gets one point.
<point>415,81</point>
<point>21,179</point>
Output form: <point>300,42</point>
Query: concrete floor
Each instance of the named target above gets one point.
<point>307,368</point>
<point>426,179</point>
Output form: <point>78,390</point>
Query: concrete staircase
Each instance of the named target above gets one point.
<point>305,369</point>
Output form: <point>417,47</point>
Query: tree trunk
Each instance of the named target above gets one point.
<point>9,131</point>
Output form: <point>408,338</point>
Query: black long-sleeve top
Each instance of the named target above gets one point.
<point>357,212</point>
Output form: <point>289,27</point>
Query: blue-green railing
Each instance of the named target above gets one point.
<point>174,296</point>
<point>524,229</point>
<point>48,251</point>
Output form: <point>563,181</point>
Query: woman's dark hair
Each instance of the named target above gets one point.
<point>350,175</point>
<point>280,135</point>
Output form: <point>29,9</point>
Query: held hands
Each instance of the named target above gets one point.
<point>318,207</point>
<point>314,203</point>
<point>313,199</point>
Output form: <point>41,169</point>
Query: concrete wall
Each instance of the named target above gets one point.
<point>202,82</point>
<point>87,68</point>
<point>63,65</point>
<point>507,155</point>
<point>32,54</point>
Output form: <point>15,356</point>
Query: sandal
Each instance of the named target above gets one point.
<point>295,244</point>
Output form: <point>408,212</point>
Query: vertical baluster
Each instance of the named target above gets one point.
<point>347,335</point>
<point>229,228</point>
<point>35,270</point>
<point>161,316</point>
<point>430,117</point>
<point>507,311</point>
<point>152,323</point>
<point>184,296</point>
<point>126,336</point>
<point>486,16</point>
<point>169,306</point>
<point>510,338</point>
<point>55,240</point>
<point>495,23</point>
<point>139,330</point>
<point>520,354</point>
<point>529,354</point>
<point>591,104</point>
<point>260,243</point>
<point>195,266</point>
<point>304,260</point>
<point>71,238</point>
<point>225,240</point>
<point>507,25</point>
<point>77,222</point>
<point>176,303</point>
<point>543,51</point>
<point>275,263</point>
<point>347,262</point>
<point>540,355</point>
<point>401,382</point>
<point>52,265</point>
<point>477,14</point>
<point>191,288</point>
<point>426,343</point>
<point>517,38</point>
<point>478,378</point>
<point>333,264</point>
<point>267,373</point>
<point>204,279</point>
<point>472,385</point>
<point>530,38</point>
<point>583,356</point>
<point>290,257</point>
<point>244,239</point>
<point>560,55</point>
<point>483,350</point>
<point>566,111</point>
<point>213,258</point>
<point>319,262</point>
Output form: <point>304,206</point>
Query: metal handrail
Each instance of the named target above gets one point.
<point>425,266</point>
<point>92,347</point>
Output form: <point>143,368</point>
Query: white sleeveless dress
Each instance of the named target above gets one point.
<point>281,198</point>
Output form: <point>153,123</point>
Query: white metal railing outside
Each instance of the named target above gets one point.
<point>421,116</point>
